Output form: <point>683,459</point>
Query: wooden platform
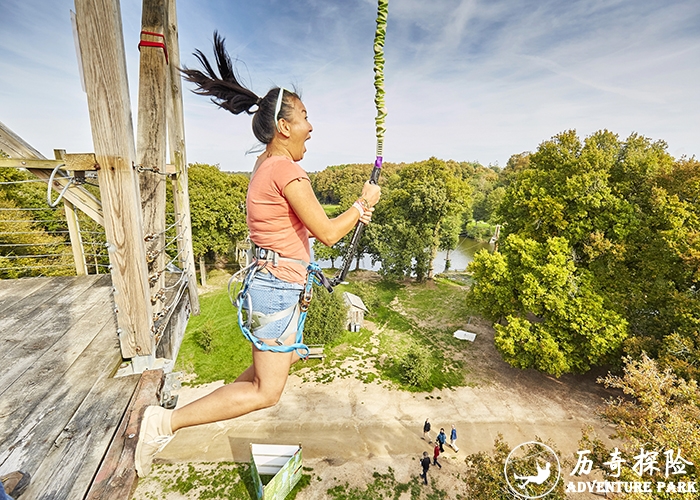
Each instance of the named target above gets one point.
<point>60,406</point>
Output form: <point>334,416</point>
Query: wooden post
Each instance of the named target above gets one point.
<point>102,50</point>
<point>202,270</point>
<point>178,157</point>
<point>150,143</point>
<point>76,241</point>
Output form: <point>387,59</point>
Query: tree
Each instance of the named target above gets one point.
<point>629,215</point>
<point>549,315</point>
<point>449,236</point>
<point>322,252</point>
<point>27,249</point>
<point>660,414</point>
<point>217,206</point>
<point>30,240</point>
<point>406,229</point>
<point>484,478</point>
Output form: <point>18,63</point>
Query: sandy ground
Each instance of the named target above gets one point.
<point>349,429</point>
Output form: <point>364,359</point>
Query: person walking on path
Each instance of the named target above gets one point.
<point>453,439</point>
<point>426,431</point>
<point>425,463</point>
<point>441,439</point>
<point>436,454</point>
<point>282,214</point>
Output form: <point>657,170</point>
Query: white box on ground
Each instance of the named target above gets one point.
<point>462,335</point>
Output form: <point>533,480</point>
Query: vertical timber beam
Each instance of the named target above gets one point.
<point>178,157</point>
<point>102,50</point>
<point>76,241</point>
<point>150,144</point>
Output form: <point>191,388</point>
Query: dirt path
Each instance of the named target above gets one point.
<point>349,429</point>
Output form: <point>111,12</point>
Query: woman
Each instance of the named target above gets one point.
<point>282,213</point>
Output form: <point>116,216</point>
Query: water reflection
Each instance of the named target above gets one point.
<point>460,257</point>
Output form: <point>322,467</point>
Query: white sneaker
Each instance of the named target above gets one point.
<point>155,433</point>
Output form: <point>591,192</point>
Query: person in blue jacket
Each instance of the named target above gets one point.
<point>453,439</point>
<point>441,439</point>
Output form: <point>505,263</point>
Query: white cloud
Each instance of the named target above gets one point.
<point>466,79</point>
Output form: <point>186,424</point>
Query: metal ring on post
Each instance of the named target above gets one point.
<point>54,204</point>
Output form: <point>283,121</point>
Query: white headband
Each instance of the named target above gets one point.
<point>278,106</point>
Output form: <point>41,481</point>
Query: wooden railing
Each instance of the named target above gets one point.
<point>132,175</point>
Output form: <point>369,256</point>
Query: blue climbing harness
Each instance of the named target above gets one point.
<point>255,320</point>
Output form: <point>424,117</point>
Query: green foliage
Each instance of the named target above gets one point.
<point>213,346</point>
<point>386,486</point>
<point>479,230</point>
<point>342,184</point>
<point>325,320</point>
<point>217,205</point>
<point>406,230</point>
<point>630,217</point>
<point>322,252</point>
<point>554,319</point>
<point>415,366</point>
<point>660,412</point>
<point>204,337</point>
<point>484,477</point>
<point>27,236</point>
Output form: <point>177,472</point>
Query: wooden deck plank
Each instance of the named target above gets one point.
<point>60,408</point>
<point>43,296</point>
<point>36,383</point>
<point>27,342</point>
<point>67,471</point>
<point>60,294</point>
<point>13,291</point>
<point>26,442</point>
<point>116,479</point>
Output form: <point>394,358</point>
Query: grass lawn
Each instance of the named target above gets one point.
<point>418,317</point>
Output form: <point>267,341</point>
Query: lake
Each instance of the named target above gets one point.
<point>460,257</point>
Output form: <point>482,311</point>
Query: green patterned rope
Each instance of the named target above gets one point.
<point>379,36</point>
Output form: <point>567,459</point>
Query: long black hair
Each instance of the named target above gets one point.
<point>228,93</point>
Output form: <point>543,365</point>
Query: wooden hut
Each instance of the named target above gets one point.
<point>356,311</point>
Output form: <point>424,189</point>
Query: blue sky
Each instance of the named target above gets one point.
<point>467,80</point>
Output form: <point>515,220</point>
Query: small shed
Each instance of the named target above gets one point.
<point>356,311</point>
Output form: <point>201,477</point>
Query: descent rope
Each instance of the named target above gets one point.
<point>379,36</point>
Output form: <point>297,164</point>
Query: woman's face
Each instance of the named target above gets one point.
<point>300,130</point>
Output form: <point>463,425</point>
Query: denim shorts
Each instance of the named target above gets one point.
<point>270,294</point>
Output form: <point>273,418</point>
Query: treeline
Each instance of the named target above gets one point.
<point>425,207</point>
<point>34,237</point>
<point>599,256</point>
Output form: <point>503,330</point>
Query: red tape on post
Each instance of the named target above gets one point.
<point>148,43</point>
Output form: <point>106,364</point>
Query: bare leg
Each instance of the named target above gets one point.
<point>259,386</point>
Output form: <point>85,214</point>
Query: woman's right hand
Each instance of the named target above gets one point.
<point>371,193</point>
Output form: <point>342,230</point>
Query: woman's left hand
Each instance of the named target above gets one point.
<point>367,216</point>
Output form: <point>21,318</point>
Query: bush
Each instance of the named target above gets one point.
<point>326,317</point>
<point>660,413</point>
<point>415,366</point>
<point>485,478</point>
<point>204,337</point>
<point>479,230</point>
<point>369,295</point>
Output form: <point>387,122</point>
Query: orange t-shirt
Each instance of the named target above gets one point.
<point>272,223</point>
